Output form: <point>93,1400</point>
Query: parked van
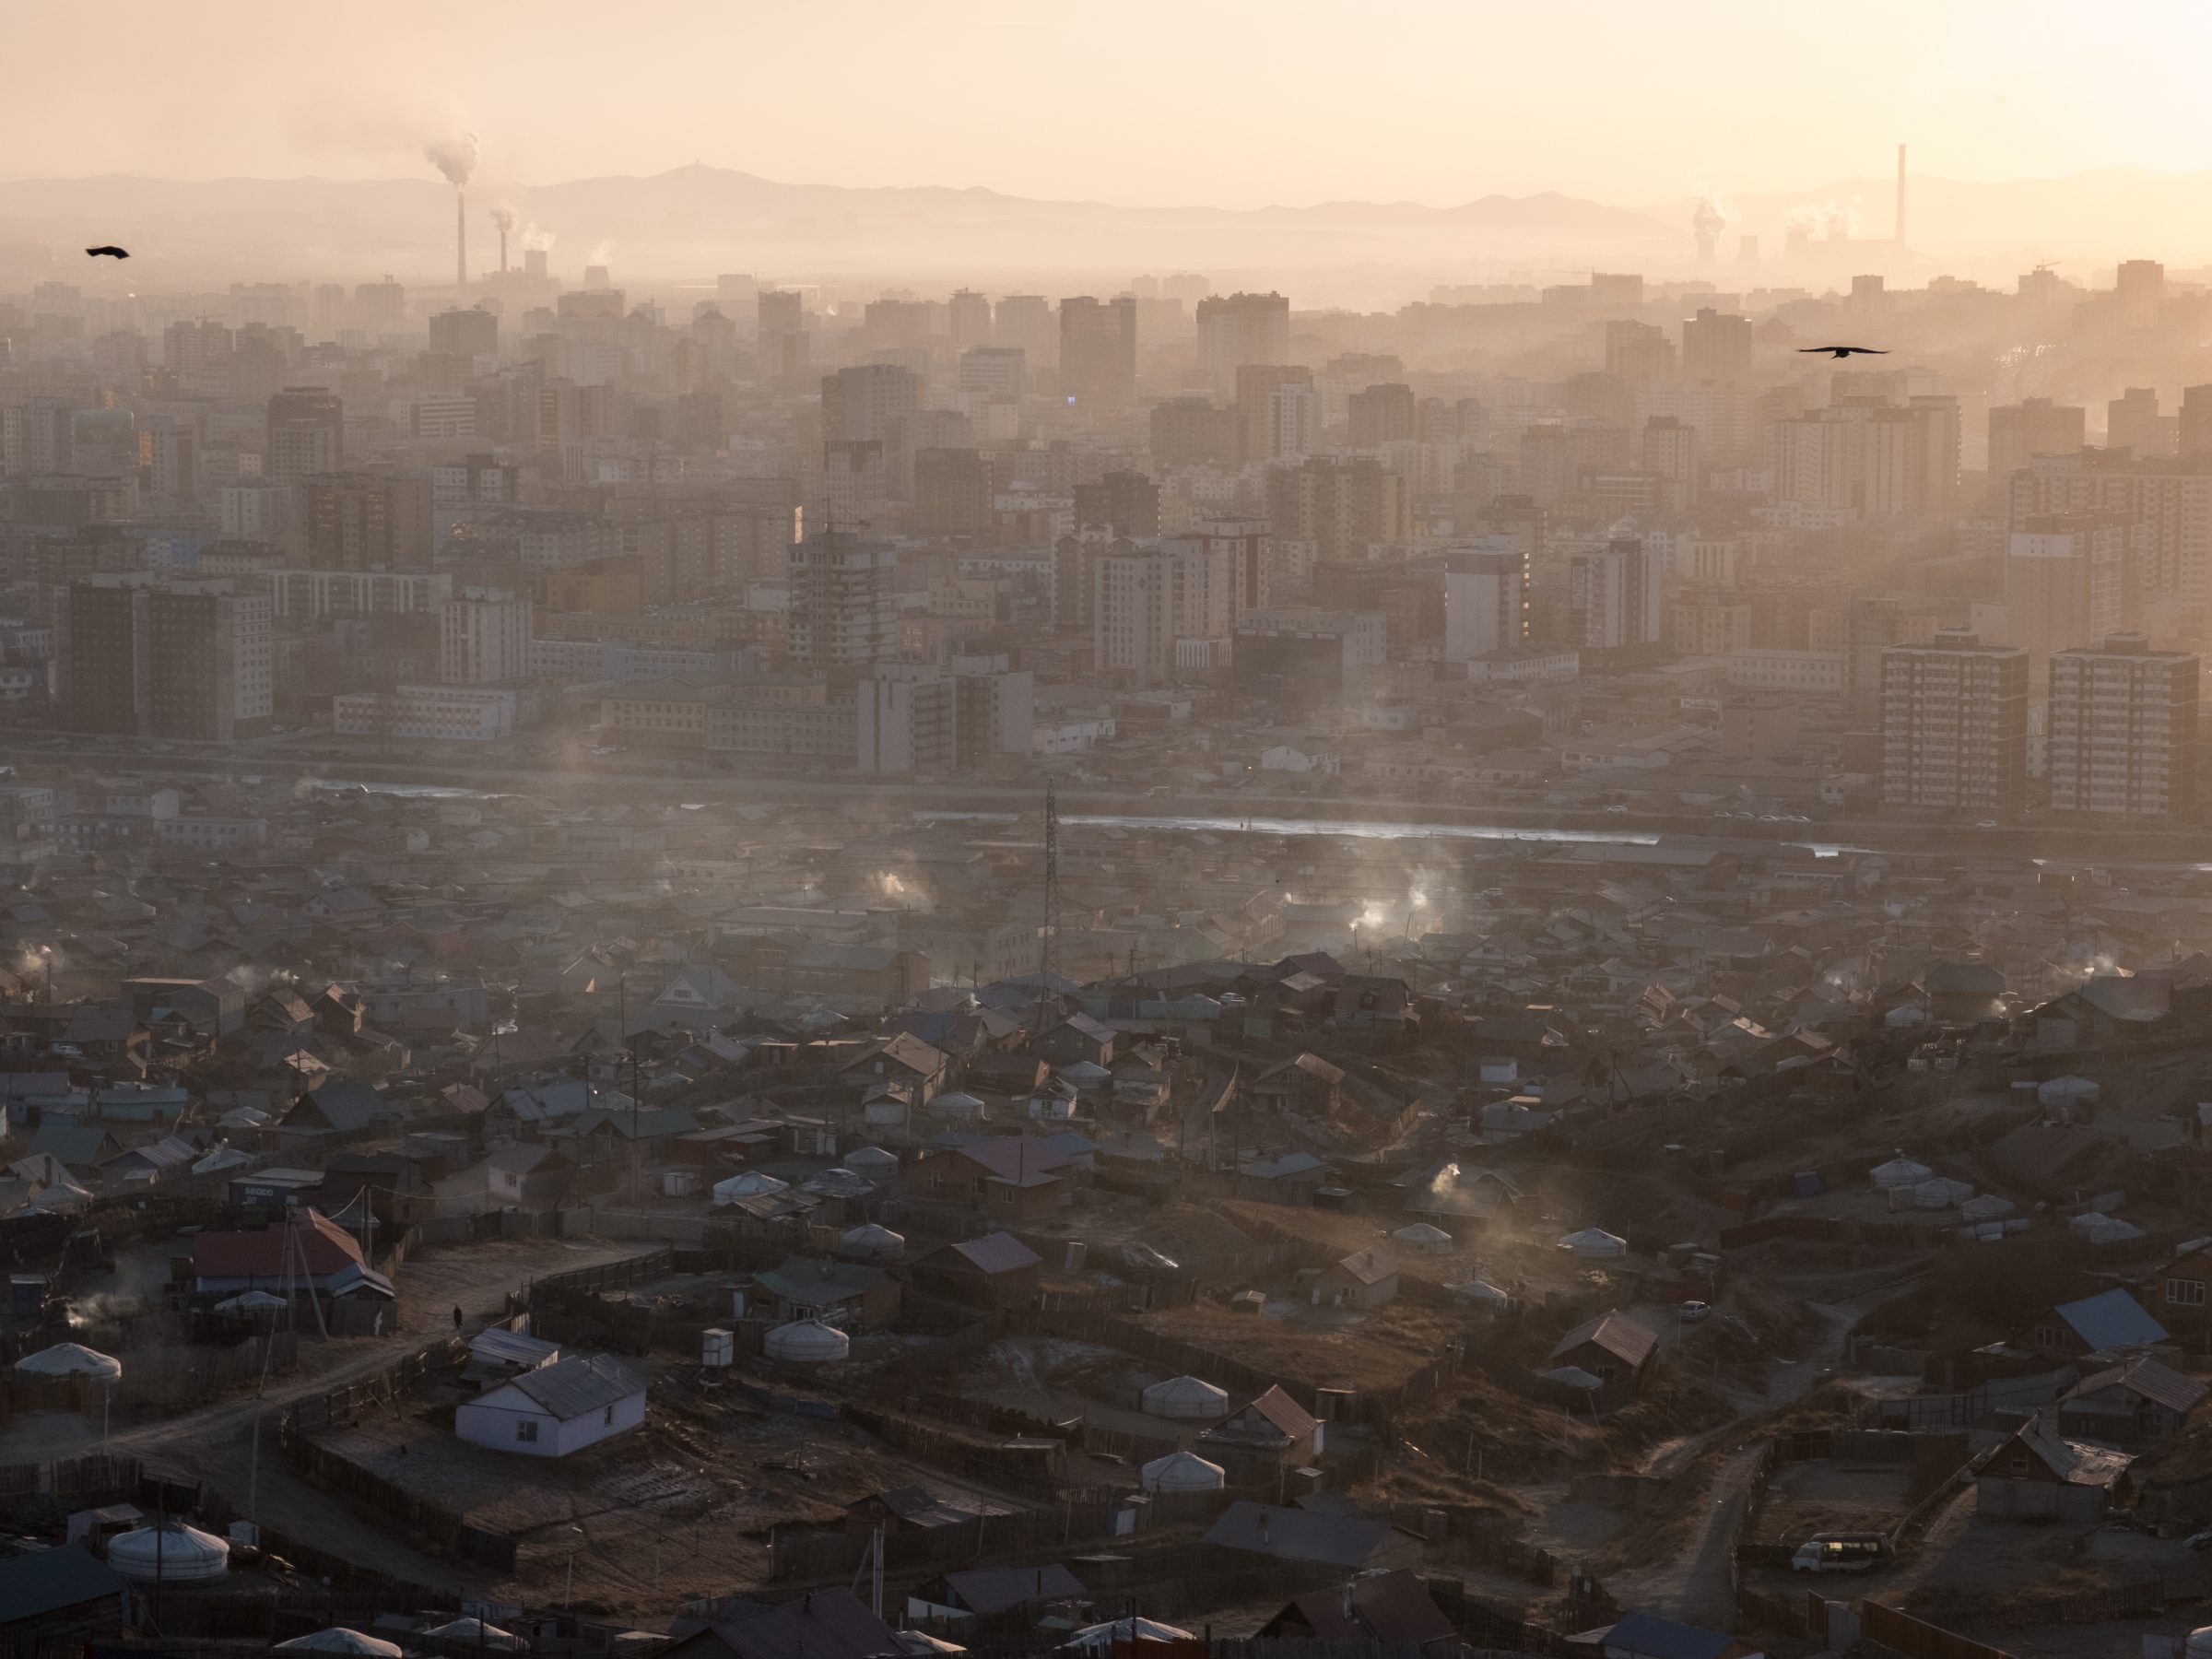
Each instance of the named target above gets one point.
<point>1839,1552</point>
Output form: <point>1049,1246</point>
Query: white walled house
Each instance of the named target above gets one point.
<point>556,1410</point>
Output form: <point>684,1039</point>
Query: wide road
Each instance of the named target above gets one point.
<point>1347,814</point>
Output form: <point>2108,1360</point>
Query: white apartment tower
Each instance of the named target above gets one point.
<point>484,637</point>
<point>2122,731</point>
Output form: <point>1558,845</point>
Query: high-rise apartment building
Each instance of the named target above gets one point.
<point>1147,599</point>
<point>2131,422</point>
<point>861,403</point>
<point>483,637</point>
<point>1716,346</point>
<point>1237,329</point>
<point>1098,352</point>
<point>2065,583</point>
<point>968,319</point>
<point>2167,505</point>
<point>1340,506</point>
<point>1670,454</point>
<point>998,372</point>
<point>365,521</point>
<point>1955,725</point>
<point>306,434</point>
<point>2035,425</point>
<point>1024,323</point>
<point>1868,458</point>
<point>1384,413</point>
<point>1486,597</point>
<point>856,486</point>
<point>2121,731</point>
<point>1279,411</point>
<point>254,511</point>
<point>1613,596</point>
<point>843,613</point>
<point>189,661</point>
<point>470,334</point>
<point>1194,432</point>
<point>1127,502</point>
<point>952,492</point>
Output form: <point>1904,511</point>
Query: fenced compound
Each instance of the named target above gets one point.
<point>1917,1639</point>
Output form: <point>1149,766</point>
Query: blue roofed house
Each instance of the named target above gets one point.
<point>1648,1636</point>
<point>341,1106</point>
<point>2107,1323</point>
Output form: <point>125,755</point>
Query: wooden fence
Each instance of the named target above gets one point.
<point>1917,1639</point>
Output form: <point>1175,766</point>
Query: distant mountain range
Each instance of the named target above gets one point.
<point>694,221</point>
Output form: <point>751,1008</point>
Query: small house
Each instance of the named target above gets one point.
<point>2183,1289</point>
<point>1616,1348</point>
<point>994,1271</point>
<point>1012,1178</point>
<point>821,1624</point>
<point>1270,1433</point>
<point>527,1176</point>
<point>1343,1542</point>
<point>995,1593</point>
<point>852,1296</point>
<point>1304,1086</point>
<point>1391,1608</point>
<point>2103,1323</point>
<point>1366,1279</point>
<point>54,1599</point>
<point>557,1409</point>
<point>1077,1039</point>
<point>2039,1474</point>
<point>2142,1402</point>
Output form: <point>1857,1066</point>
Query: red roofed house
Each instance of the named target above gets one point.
<point>308,1252</point>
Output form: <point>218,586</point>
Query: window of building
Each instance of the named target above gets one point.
<point>526,1431</point>
<point>2185,1293</point>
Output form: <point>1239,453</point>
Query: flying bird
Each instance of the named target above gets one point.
<point>111,252</point>
<point>1844,351</point>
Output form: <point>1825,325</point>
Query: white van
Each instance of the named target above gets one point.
<point>1839,1552</point>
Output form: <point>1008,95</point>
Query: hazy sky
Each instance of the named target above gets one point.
<point>1228,103</point>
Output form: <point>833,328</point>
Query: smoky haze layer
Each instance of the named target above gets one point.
<point>702,219</point>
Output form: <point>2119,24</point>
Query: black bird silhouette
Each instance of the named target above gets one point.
<point>111,252</point>
<point>1844,351</point>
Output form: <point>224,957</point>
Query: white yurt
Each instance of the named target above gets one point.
<point>251,1301</point>
<point>172,1553</point>
<point>339,1640</point>
<point>1182,1472</point>
<point>1186,1397</point>
<point>1572,1376</point>
<point>1483,1294</point>
<point>2198,1644</point>
<point>1900,1171</point>
<point>807,1342</point>
<point>1423,1238</point>
<point>1987,1208</point>
<point>1593,1243</point>
<point>957,1105</point>
<point>872,1161</point>
<point>1086,1074</point>
<point>839,1182</point>
<point>473,1631</point>
<point>2068,1091</point>
<point>68,1359</point>
<point>752,1185</point>
<point>870,1242</point>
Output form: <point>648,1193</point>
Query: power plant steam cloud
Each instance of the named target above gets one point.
<point>455,158</point>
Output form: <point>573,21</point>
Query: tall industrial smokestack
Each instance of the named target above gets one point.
<point>461,238</point>
<point>503,219</point>
<point>1901,195</point>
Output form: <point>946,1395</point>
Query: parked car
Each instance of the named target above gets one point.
<point>1839,1552</point>
<point>1695,1312</point>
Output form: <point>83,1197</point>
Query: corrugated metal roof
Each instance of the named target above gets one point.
<point>2112,1319</point>
<point>987,1590</point>
<point>46,1580</point>
<point>579,1385</point>
<point>2160,1384</point>
<point>1623,1335</point>
<point>1292,1534</point>
<point>997,1252</point>
<point>1651,1637</point>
